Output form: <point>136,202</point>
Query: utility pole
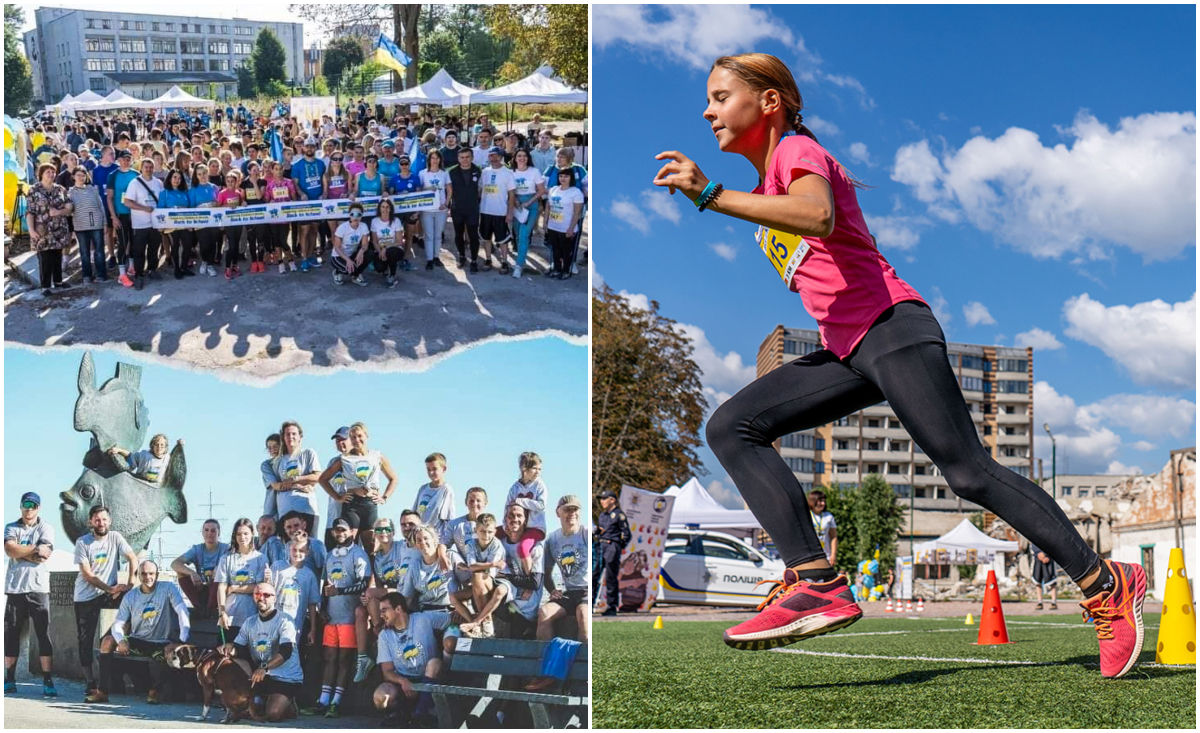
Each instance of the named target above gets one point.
<point>1053,462</point>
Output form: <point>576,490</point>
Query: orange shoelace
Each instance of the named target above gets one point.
<point>780,589</point>
<point>1104,617</point>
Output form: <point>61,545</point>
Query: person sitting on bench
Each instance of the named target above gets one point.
<point>407,653</point>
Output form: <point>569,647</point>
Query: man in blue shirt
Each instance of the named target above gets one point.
<point>308,173</point>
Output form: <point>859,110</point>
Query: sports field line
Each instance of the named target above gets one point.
<point>1009,662</point>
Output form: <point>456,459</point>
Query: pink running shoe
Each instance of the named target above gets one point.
<point>1118,617</point>
<point>795,610</point>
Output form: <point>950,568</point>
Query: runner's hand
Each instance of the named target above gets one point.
<point>123,647</point>
<point>682,173</point>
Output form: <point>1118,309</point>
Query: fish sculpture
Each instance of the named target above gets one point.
<point>116,415</point>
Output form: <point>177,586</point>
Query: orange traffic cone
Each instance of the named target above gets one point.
<point>889,606</point>
<point>920,605</point>
<point>992,629</point>
<point>908,606</point>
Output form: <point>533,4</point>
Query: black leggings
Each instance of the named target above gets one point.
<point>390,261</point>
<point>561,247</point>
<point>183,246</point>
<point>279,238</point>
<point>902,359</point>
<point>18,608</point>
<point>233,246</point>
<point>87,617</point>
<point>208,240</point>
<point>257,240</point>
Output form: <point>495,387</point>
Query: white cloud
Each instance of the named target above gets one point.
<point>1134,186</point>
<point>662,204</point>
<point>821,126</point>
<point>693,35</point>
<point>1038,339</point>
<point>1154,341</point>
<point>720,371</point>
<point>728,498</point>
<point>859,154</point>
<point>1149,415</point>
<point>940,308</point>
<point>597,278</point>
<point>896,231</point>
<point>977,313</point>
<point>724,251</point>
<point>1116,468</point>
<point>849,82</point>
<point>1143,445</point>
<point>628,212</point>
<point>636,300</point>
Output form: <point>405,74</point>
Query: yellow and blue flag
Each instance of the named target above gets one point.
<point>390,55</point>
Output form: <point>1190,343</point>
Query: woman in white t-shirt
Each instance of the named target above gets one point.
<point>433,223</point>
<point>531,188</point>
<point>387,234</point>
<point>351,248</point>
<point>564,206</point>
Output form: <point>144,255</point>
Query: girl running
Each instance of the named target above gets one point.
<point>882,342</point>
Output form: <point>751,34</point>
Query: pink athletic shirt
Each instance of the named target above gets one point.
<point>845,282</point>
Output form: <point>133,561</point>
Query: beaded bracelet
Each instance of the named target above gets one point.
<point>711,197</point>
<point>699,200</point>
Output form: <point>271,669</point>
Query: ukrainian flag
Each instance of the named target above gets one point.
<point>390,55</point>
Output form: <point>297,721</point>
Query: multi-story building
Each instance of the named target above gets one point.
<point>997,382</point>
<point>145,55</point>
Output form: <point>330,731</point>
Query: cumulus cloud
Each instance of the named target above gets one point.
<point>821,126</point>
<point>628,212</point>
<point>1038,339</point>
<point>1149,415</point>
<point>636,300</point>
<point>859,154</point>
<point>940,308</point>
<point>1090,448</point>
<point>977,313</point>
<point>662,204</point>
<point>849,82</point>
<point>728,498</point>
<point>724,251</point>
<point>896,231</point>
<point>656,204</point>
<point>692,35</point>
<point>721,371</point>
<point>1116,468</point>
<point>1154,341</point>
<point>1143,445</point>
<point>1133,186</point>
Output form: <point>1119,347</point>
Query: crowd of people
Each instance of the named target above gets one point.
<point>97,178</point>
<point>374,585</point>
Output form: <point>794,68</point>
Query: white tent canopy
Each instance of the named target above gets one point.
<point>963,541</point>
<point>116,100</point>
<point>63,103</point>
<point>176,97</point>
<point>441,89</point>
<point>694,505</point>
<point>537,88</point>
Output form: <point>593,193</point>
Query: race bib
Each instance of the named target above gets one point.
<point>252,194</point>
<point>786,251</point>
<point>279,192</point>
<point>556,215</point>
<point>491,189</point>
<point>336,181</point>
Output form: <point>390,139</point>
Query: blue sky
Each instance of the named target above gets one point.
<point>1034,173</point>
<point>481,408</point>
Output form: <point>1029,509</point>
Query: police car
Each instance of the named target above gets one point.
<point>713,568</point>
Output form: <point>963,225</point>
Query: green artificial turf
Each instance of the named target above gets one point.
<point>683,676</point>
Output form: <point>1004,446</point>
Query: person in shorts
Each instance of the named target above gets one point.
<point>1045,577</point>
<point>497,202</point>
<point>566,550</point>
<point>28,543</point>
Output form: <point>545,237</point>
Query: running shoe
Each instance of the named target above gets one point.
<point>95,696</point>
<point>333,711</point>
<point>408,265</point>
<point>49,690</point>
<point>228,273</point>
<point>303,266</point>
<point>338,278</point>
<point>317,709</point>
<point>363,668</point>
<point>794,610</point>
<point>152,697</point>
<point>139,283</point>
<point>516,273</point>
<point>474,267</point>
<point>292,265</point>
<point>360,280</point>
<point>429,265</point>
<point>282,268</point>
<point>1117,614</point>
<point>391,281</point>
<point>125,280</point>
<point>10,688</point>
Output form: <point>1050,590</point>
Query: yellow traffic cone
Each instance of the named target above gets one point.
<point>1177,628</point>
<point>658,622</point>
<point>970,620</point>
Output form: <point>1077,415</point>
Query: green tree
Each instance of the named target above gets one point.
<point>868,516</point>
<point>18,76</point>
<point>269,59</point>
<point>647,400</point>
<point>405,23</point>
<point>442,48</point>
<point>246,88</point>
<point>319,86</point>
<point>553,34</point>
<point>341,54</point>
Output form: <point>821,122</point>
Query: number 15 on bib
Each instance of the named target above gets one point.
<point>786,251</point>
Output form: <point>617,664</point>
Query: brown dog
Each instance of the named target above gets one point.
<point>217,673</point>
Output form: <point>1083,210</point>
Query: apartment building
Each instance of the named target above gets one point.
<point>145,55</point>
<point>997,382</point>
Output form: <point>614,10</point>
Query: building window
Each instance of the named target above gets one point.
<point>212,27</point>
<point>918,470</point>
<point>164,64</point>
<point>170,27</point>
<point>804,465</point>
<point>242,48</point>
<point>99,45</point>
<point>163,45</point>
<point>897,445</point>
<point>97,84</point>
<point>1010,409</point>
<point>192,46</point>
<point>872,445</point>
<point>896,468</point>
<point>1066,490</point>
<point>154,25</point>
<point>842,445</point>
<point>941,493</point>
<point>106,24</point>
<point>1012,386</point>
<point>133,45</point>
<point>133,64</point>
<point>1012,365</point>
<point>972,362</point>
<point>843,468</point>
<point>872,422</point>
<point>800,440</point>
<point>1098,492</point>
<point>218,65</point>
<point>953,360</point>
<point>972,384</point>
<point>902,490</point>
<point>91,23</point>
<point>1148,564</point>
<point>124,25</point>
<point>218,47</point>
<point>872,468</point>
<point>842,422</point>
<point>139,25</point>
<point>101,65</point>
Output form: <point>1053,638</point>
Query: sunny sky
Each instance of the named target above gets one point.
<point>481,408</point>
<point>1034,174</point>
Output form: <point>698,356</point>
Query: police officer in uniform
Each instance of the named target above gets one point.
<point>614,535</point>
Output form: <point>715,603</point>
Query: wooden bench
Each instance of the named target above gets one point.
<point>515,661</point>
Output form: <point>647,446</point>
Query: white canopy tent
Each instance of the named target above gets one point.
<point>176,97</point>
<point>115,100</point>
<point>537,88</point>
<point>695,506</point>
<point>964,544</point>
<point>441,89</point>
<point>77,103</point>
<point>63,103</point>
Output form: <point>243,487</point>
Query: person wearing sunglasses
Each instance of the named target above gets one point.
<point>28,543</point>
<point>265,647</point>
<point>389,563</point>
<point>351,255</point>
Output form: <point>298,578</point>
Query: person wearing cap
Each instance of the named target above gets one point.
<point>308,173</point>
<point>347,573</point>
<point>566,549</point>
<point>389,165</point>
<point>614,536</point>
<point>336,488</point>
<point>364,470</point>
<point>352,253</point>
<point>28,543</point>
<point>497,204</point>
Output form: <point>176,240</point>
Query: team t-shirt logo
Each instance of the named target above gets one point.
<point>402,570</point>
<point>338,479</point>
<point>423,506</point>
<point>241,575</point>
<point>336,573</point>
<point>262,648</point>
<point>152,474</point>
<point>389,574</point>
<point>435,582</point>
<point>101,557</point>
<point>149,612</point>
<point>292,470</point>
<point>412,651</point>
<point>362,470</point>
<point>568,558</point>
